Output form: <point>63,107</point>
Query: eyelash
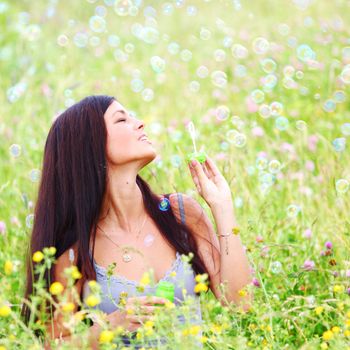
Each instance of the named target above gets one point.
<point>121,120</point>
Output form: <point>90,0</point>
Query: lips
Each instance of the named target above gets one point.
<point>141,136</point>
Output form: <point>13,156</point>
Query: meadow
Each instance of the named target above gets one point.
<point>267,86</point>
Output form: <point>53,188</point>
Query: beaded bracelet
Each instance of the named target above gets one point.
<point>235,231</point>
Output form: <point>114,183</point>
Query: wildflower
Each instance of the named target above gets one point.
<point>200,287</point>
<point>328,335</point>
<point>328,245</point>
<point>173,274</point>
<point>204,339</point>
<point>169,305</point>
<point>76,273</point>
<point>92,283</point>
<point>145,279</point>
<point>38,256</point>
<point>5,311</point>
<point>242,293</point>
<point>256,282</point>
<point>194,329</point>
<point>335,329</point>
<point>338,288</point>
<point>149,324</point>
<point>2,227</point>
<point>56,288</point>
<point>201,278</point>
<point>106,336</point>
<point>92,300</point>
<point>68,307</point>
<point>8,267</point>
<point>309,265</point>
<point>52,251</point>
<point>319,310</point>
<point>347,333</point>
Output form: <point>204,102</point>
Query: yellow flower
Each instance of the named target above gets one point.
<point>347,333</point>
<point>106,336</point>
<point>76,273</point>
<point>348,314</point>
<point>319,310</point>
<point>194,329</point>
<point>168,304</point>
<point>138,336</point>
<point>324,346</point>
<point>173,274</point>
<point>92,300</point>
<point>200,287</point>
<point>56,288</point>
<point>129,311</point>
<point>335,329</point>
<point>328,335</point>
<point>347,322</point>
<point>201,278</point>
<point>5,311</point>
<point>8,267</point>
<point>203,339</point>
<point>216,329</point>
<point>148,324</point>
<point>68,307</point>
<point>92,283</point>
<point>145,279</point>
<point>2,347</point>
<point>38,256</point>
<point>52,250</point>
<point>338,288</point>
<point>242,293</point>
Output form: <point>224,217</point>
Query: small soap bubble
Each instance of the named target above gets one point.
<point>265,111</point>
<point>299,74</point>
<point>80,39</point>
<point>283,29</point>
<point>269,82</point>
<point>222,112</point>
<point>219,55</point>
<point>305,53</point>
<point>345,129</point>
<point>240,71</point>
<point>168,8</point>
<point>175,160</point>
<point>148,240</point>
<point>239,140</point>
<point>274,166</point>
<point>266,178</point>
<point>281,123</point>
<point>173,48</point>
<point>261,163</point>
<point>30,220</point>
<point>113,40</point>
<point>101,11</point>
<point>191,10</point>
<point>238,202</point>
<point>339,96</point>
<point>157,64</point>
<point>34,175</point>
<point>275,267</point>
<point>164,204</point>
<point>329,106</point>
<point>219,78</point>
<point>288,71</point>
<point>276,108</point>
<point>97,24</point>
<point>345,74</point>
<point>239,51</point>
<point>147,94</point>
<point>15,150</point>
<point>257,96</point>
<point>186,55</point>
<point>62,40</point>
<point>122,7</point>
<point>129,47</point>
<point>150,35</point>
<point>202,72</point>
<point>260,45</point>
<point>268,65</point>
<point>293,210</point>
<point>231,134</point>
<point>342,185</point>
<point>339,144</point>
<point>137,85</point>
<point>204,34</point>
<point>224,146</point>
<point>194,86</point>
<point>301,125</point>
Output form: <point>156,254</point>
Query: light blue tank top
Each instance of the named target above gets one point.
<point>184,278</point>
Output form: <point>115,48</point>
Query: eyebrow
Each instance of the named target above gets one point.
<point>120,111</point>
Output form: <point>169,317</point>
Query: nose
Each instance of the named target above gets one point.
<point>140,124</point>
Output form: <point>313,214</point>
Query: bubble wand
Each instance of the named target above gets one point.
<point>200,156</point>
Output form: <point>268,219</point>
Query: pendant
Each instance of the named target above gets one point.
<point>126,257</point>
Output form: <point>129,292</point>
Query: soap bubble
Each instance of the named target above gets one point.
<point>281,123</point>
<point>204,34</point>
<point>34,175</point>
<point>260,45</point>
<point>257,96</point>
<point>305,53</point>
<point>269,81</point>
<point>268,65</point>
<point>149,35</point>
<point>164,204</point>
<point>275,267</point>
<point>222,112</point>
<point>240,140</point>
<point>276,108</point>
<point>202,72</point>
<point>345,74</point>
<point>62,40</point>
<point>173,48</point>
<point>137,85</point>
<point>238,202</point>
<point>266,178</point>
<point>301,125</point>
<point>240,71</point>
<point>147,94</point>
<point>231,134</point>
<point>80,39</point>
<point>113,40</point>
<point>339,144</point>
<point>157,64</point>
<point>288,71</point>
<point>261,163</point>
<point>339,96</point>
<point>342,185</point>
<point>274,166</point>
<point>97,24</point>
<point>293,210</point>
<point>219,55</point>
<point>345,129</point>
<point>329,106</point>
<point>122,7</point>
<point>219,78</point>
<point>239,51</point>
<point>15,150</point>
<point>265,111</point>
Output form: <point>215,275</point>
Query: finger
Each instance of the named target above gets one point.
<point>199,171</point>
<point>196,180</point>
<point>147,299</point>
<point>213,168</point>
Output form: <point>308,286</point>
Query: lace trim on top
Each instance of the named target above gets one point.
<point>101,271</point>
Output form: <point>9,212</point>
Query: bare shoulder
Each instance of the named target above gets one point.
<point>193,210</point>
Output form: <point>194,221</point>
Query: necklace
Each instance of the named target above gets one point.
<point>126,256</point>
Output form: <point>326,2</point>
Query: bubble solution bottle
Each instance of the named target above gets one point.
<point>200,156</point>
<point>165,290</point>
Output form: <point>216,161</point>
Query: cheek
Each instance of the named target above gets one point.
<point>120,146</point>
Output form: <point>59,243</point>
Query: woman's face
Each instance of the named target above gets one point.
<point>124,141</point>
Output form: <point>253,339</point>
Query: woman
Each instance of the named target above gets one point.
<point>92,202</point>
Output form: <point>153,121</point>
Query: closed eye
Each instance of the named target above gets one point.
<point>121,120</point>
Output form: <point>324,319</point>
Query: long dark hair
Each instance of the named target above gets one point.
<point>72,188</point>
